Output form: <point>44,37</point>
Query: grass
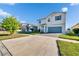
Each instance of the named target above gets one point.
<point>68,48</point>
<point>69,37</point>
<point>5,35</point>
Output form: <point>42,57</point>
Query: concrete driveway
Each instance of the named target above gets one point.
<point>50,34</point>
<point>31,46</point>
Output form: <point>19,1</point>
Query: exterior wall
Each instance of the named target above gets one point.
<point>53,22</point>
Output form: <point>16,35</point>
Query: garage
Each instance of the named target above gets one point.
<point>54,29</point>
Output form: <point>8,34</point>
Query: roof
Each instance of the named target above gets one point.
<point>51,14</point>
<point>75,26</point>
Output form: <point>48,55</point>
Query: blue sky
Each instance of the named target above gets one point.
<point>30,12</point>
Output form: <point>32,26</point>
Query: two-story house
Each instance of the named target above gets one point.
<point>53,23</point>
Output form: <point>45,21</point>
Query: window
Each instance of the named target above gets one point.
<point>39,21</point>
<point>58,17</point>
<point>49,20</point>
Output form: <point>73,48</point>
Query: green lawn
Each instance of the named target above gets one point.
<point>68,48</point>
<point>69,37</point>
<point>5,35</point>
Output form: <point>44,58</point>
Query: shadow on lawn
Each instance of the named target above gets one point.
<point>4,34</point>
<point>24,32</point>
<point>30,32</point>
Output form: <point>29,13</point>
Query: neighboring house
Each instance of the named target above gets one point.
<point>1,29</point>
<point>23,27</point>
<point>75,26</point>
<point>34,28</point>
<point>53,23</point>
<point>28,27</point>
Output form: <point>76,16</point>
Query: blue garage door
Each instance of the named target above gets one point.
<point>54,29</point>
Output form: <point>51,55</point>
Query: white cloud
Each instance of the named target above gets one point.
<point>4,13</point>
<point>74,4</point>
<point>23,21</point>
<point>11,3</point>
<point>64,9</point>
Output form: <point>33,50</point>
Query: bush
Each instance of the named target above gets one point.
<point>76,30</point>
<point>70,32</point>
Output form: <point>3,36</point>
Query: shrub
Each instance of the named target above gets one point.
<point>70,32</point>
<point>76,30</point>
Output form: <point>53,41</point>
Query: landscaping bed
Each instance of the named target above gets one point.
<point>68,48</point>
<point>69,37</point>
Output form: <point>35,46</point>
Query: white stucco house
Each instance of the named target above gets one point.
<point>53,23</point>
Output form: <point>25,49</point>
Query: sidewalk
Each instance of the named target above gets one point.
<point>3,50</point>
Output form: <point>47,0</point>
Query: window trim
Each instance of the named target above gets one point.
<point>58,18</point>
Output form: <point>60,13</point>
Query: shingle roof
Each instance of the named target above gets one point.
<point>75,26</point>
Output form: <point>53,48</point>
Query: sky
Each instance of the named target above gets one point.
<point>30,12</point>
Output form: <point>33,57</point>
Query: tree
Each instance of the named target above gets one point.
<point>10,24</point>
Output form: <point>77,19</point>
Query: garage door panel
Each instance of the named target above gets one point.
<point>55,29</point>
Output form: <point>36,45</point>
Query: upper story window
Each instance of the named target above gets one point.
<point>58,17</point>
<point>40,21</point>
<point>49,20</point>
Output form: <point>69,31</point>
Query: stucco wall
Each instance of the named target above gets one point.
<point>53,22</point>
